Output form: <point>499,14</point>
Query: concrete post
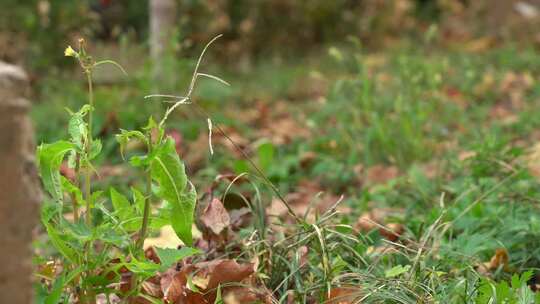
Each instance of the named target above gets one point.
<point>162,25</point>
<point>19,188</point>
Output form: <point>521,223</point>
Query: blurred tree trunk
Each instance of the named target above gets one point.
<point>162,25</point>
<point>19,188</point>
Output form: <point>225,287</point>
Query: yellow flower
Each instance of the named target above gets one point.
<point>70,52</point>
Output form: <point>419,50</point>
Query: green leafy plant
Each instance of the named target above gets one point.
<point>516,293</point>
<point>97,237</point>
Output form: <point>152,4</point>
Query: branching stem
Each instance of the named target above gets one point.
<point>87,167</point>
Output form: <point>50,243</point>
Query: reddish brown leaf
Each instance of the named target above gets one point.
<point>245,295</point>
<point>215,217</point>
<point>375,219</point>
<point>344,295</point>
<point>174,284</point>
<point>224,271</point>
<point>392,231</point>
<point>380,174</point>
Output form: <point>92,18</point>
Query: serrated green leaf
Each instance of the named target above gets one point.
<point>62,246</point>
<point>77,127</point>
<point>396,271</point>
<point>72,189</point>
<point>56,291</point>
<point>125,136</point>
<point>50,157</point>
<point>138,200</point>
<point>120,202</point>
<point>143,267</point>
<point>182,216</point>
<point>77,130</point>
<point>169,256</point>
<point>72,159</point>
<point>125,211</point>
<point>95,149</point>
<point>169,172</point>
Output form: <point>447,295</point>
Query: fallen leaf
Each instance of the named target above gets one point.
<point>376,218</point>
<point>174,284</point>
<point>392,231</point>
<point>206,276</point>
<point>308,197</point>
<point>152,289</point>
<point>245,295</point>
<point>466,155</point>
<point>381,174</point>
<point>167,239</point>
<point>215,217</point>
<point>532,160</point>
<point>344,295</point>
<point>112,299</point>
<point>499,259</point>
<point>200,281</point>
<point>225,271</point>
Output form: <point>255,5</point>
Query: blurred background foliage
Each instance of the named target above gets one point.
<point>35,29</point>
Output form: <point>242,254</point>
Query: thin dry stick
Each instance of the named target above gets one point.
<point>205,114</point>
<point>187,100</point>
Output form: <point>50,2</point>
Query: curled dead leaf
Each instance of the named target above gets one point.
<point>344,295</point>
<point>392,231</point>
<point>215,217</point>
<point>206,276</point>
<point>501,258</point>
<point>498,260</point>
<point>375,219</point>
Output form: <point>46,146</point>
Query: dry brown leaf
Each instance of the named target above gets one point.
<point>504,114</point>
<point>466,155</point>
<point>344,295</point>
<point>244,295</point>
<point>205,275</point>
<point>152,289</point>
<point>382,250</point>
<point>309,196</point>
<point>112,299</point>
<point>499,259</point>
<point>380,174</point>
<point>283,131</point>
<point>375,219</point>
<point>480,45</point>
<point>215,217</point>
<point>200,281</point>
<point>532,160</point>
<point>174,284</point>
<point>392,231</point>
<point>307,159</point>
<point>225,271</point>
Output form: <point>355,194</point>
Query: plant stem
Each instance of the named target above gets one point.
<point>89,294</point>
<point>77,184</point>
<point>88,169</point>
<point>146,212</point>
